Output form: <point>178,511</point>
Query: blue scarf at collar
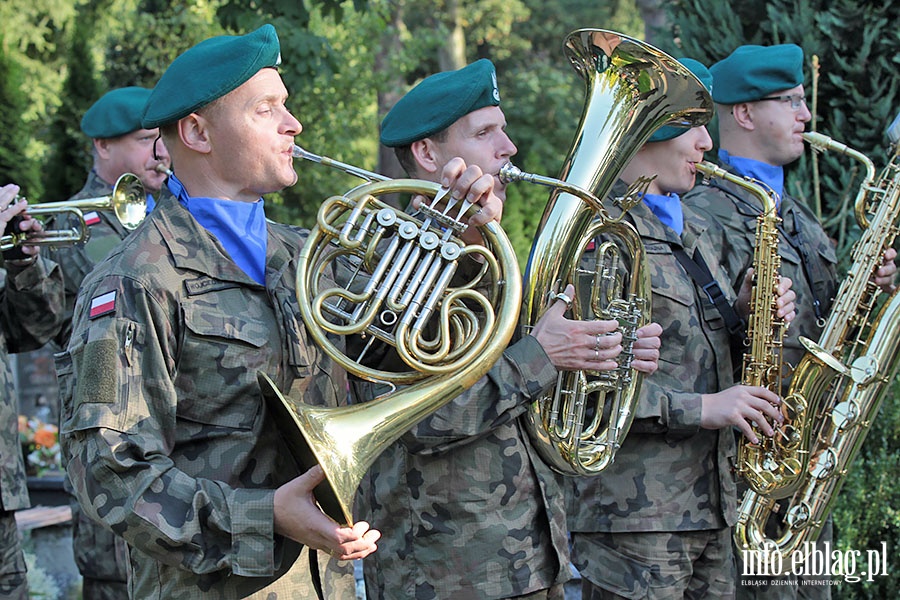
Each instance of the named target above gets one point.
<point>667,209</point>
<point>239,226</point>
<point>770,175</point>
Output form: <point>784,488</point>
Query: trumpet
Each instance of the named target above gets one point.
<point>128,201</point>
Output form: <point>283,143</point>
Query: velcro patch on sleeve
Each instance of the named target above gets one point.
<point>97,380</point>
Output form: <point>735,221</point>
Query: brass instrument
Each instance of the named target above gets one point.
<point>632,89</point>
<point>405,284</point>
<point>777,460</point>
<point>842,378</point>
<point>127,200</point>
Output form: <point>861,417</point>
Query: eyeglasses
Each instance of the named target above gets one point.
<point>796,100</point>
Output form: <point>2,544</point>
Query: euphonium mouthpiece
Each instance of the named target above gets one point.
<point>163,169</point>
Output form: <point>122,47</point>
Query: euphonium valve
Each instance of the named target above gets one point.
<point>632,89</point>
<point>447,308</point>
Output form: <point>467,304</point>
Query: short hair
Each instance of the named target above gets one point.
<point>405,156</point>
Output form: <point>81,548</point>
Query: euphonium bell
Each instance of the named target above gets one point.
<point>128,201</point>
<point>447,325</point>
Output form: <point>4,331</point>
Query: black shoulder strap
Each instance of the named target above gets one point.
<point>700,273</point>
<point>816,276</point>
<point>314,572</point>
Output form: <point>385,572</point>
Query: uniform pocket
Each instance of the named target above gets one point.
<point>216,374</point>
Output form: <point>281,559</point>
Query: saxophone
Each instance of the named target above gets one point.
<point>632,89</point>
<point>843,377</point>
<point>773,459</point>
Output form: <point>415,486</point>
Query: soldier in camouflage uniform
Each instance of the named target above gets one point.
<point>655,524</point>
<point>31,297</point>
<point>759,98</point>
<point>168,440</point>
<point>468,508</point>
<point>120,145</point>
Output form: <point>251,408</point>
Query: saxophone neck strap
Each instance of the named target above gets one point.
<point>700,273</point>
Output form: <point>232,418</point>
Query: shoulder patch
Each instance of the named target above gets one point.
<point>91,218</point>
<point>103,304</point>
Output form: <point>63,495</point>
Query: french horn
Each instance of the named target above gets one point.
<point>447,308</point>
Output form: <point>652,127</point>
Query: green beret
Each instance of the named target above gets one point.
<point>208,71</point>
<point>667,132</point>
<point>753,72</point>
<point>438,101</point>
<point>116,113</point>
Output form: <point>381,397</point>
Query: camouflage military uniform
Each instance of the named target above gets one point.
<point>466,508</point>
<point>99,554</point>
<point>31,307</point>
<point>169,442</point>
<point>808,259</point>
<point>671,490</point>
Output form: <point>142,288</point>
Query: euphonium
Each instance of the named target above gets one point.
<point>632,89</point>
<point>128,201</point>
<point>842,378</point>
<point>405,290</point>
<point>778,459</point>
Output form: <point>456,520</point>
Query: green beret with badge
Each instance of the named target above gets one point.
<point>438,101</point>
<point>208,71</point>
<point>667,132</point>
<point>751,73</point>
<point>116,113</point>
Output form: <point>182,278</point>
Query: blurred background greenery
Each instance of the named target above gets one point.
<point>346,62</point>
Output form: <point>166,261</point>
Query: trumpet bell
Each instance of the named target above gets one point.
<point>128,201</point>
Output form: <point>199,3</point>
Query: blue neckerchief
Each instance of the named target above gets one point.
<point>151,203</point>
<point>239,226</point>
<point>770,175</point>
<point>667,209</point>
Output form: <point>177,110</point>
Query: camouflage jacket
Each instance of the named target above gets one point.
<point>466,508</point>
<point>670,474</point>
<point>31,310</point>
<point>77,261</point>
<point>807,254</point>
<point>169,442</point>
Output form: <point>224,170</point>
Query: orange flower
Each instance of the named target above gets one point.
<point>45,436</point>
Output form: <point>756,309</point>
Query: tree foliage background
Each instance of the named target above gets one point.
<point>346,62</point>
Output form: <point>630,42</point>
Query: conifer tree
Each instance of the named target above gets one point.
<point>70,159</point>
<point>14,168</point>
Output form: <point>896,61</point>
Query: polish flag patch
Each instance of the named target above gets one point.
<point>91,218</point>
<point>103,304</point>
